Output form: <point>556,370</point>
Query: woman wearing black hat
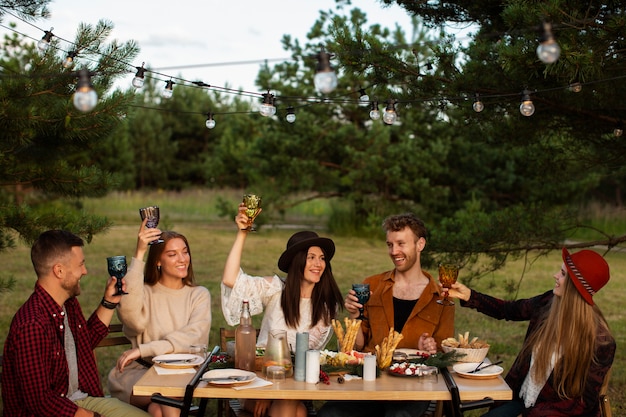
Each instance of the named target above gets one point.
<point>568,349</point>
<point>305,301</point>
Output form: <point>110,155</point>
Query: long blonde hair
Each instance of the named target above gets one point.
<point>569,331</point>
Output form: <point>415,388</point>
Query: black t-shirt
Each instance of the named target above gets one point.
<point>401,311</point>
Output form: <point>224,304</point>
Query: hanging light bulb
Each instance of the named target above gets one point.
<point>291,114</point>
<point>390,115</point>
<point>139,76</point>
<point>85,97</point>
<point>364,99</point>
<point>68,62</point>
<point>44,43</point>
<point>575,87</point>
<point>374,112</point>
<point>527,108</point>
<point>325,78</point>
<point>548,50</point>
<point>210,122</point>
<point>478,105</point>
<point>619,130</point>
<point>168,90</point>
<point>267,108</point>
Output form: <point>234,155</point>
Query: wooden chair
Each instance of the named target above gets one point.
<point>185,405</point>
<point>115,337</point>
<point>456,408</point>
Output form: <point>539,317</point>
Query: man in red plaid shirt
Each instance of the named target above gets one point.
<point>49,368</point>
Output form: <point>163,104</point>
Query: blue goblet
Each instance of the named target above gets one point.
<point>363,294</point>
<point>117,268</point>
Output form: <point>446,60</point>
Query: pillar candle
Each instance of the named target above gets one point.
<point>302,345</point>
<point>312,366</point>
<point>369,368</point>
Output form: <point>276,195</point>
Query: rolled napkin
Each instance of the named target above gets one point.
<point>302,345</point>
<point>369,368</point>
<point>313,366</point>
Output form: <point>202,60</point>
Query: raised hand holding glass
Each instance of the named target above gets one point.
<point>253,208</point>
<point>116,265</point>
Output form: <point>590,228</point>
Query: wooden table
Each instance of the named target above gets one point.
<point>386,387</point>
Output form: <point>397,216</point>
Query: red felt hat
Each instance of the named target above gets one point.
<point>588,271</point>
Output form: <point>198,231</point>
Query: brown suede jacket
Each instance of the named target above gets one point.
<point>427,316</point>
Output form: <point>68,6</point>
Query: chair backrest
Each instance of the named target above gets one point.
<point>225,336</point>
<point>456,408</point>
<point>115,337</point>
<point>605,404</point>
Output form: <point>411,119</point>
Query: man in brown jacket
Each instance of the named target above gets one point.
<point>405,299</point>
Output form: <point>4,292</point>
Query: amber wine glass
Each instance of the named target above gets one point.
<point>448,274</point>
<point>253,208</point>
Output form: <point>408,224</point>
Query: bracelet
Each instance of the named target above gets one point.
<point>107,304</point>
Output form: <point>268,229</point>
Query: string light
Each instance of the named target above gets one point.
<point>527,108</point>
<point>291,114</point>
<point>68,62</point>
<point>44,43</point>
<point>267,108</point>
<point>325,78</point>
<point>619,130</point>
<point>85,97</point>
<point>478,105</point>
<point>364,99</point>
<point>139,76</point>
<point>168,90</point>
<point>390,115</point>
<point>210,122</point>
<point>575,87</point>
<point>374,112</point>
<point>548,50</point>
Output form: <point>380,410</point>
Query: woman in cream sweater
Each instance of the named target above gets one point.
<point>163,312</point>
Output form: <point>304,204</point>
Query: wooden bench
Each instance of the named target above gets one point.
<point>115,337</point>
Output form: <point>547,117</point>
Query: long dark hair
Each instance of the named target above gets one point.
<point>325,300</point>
<point>152,273</point>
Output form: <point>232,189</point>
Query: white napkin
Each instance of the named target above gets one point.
<point>173,371</point>
<point>348,377</point>
<point>256,383</point>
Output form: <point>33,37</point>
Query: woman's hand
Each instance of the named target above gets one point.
<point>459,291</point>
<point>427,344</point>
<point>127,357</point>
<point>144,237</point>
<point>261,407</point>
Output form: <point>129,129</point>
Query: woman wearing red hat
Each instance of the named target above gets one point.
<point>568,348</point>
<point>305,301</point>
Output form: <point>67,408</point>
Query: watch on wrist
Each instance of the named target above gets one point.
<point>107,304</point>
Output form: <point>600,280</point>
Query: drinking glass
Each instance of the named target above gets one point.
<point>448,274</point>
<point>253,208</point>
<point>363,294</point>
<point>116,266</point>
<point>152,214</point>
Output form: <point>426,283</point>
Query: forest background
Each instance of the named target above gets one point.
<point>495,187</point>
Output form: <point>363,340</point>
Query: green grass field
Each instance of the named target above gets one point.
<point>195,215</point>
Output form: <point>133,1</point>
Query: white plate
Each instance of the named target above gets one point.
<point>178,360</point>
<point>464,368</point>
<point>226,373</point>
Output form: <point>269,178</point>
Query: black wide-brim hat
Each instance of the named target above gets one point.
<point>301,241</point>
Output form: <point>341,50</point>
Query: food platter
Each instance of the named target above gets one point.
<point>464,370</point>
<point>178,360</point>
<point>410,370</point>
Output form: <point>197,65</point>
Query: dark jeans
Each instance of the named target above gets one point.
<point>373,409</point>
<point>510,408</point>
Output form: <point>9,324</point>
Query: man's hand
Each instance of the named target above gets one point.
<point>352,304</point>
<point>427,343</point>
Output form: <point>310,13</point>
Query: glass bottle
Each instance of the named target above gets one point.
<point>245,340</point>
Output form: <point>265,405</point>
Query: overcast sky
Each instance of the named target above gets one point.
<point>193,32</point>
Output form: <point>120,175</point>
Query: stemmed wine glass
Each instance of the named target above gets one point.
<point>152,213</point>
<point>363,294</point>
<point>253,208</point>
<point>448,274</point>
<point>117,268</point>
